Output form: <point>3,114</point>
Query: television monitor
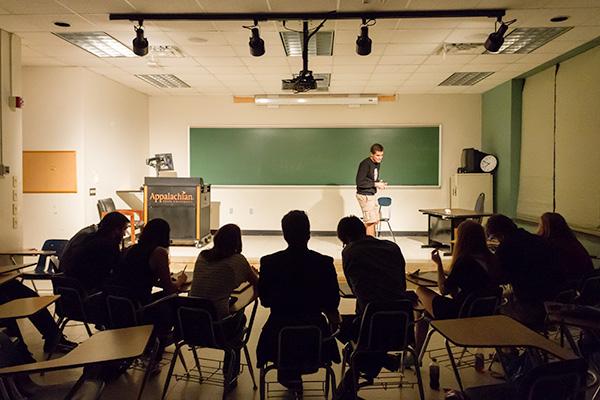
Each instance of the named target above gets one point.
<point>470,159</point>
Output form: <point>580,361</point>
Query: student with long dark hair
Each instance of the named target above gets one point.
<point>146,264</point>
<point>573,258</point>
<point>218,271</point>
<point>470,272</point>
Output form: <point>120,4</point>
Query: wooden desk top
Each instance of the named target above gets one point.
<point>244,297</point>
<point>423,278</point>
<point>496,331</point>
<point>111,345</point>
<point>7,277</point>
<point>13,267</point>
<point>454,213</point>
<point>27,252</point>
<point>25,307</point>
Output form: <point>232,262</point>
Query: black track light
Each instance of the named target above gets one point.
<point>496,39</point>
<point>363,42</point>
<point>256,44</point>
<point>140,43</point>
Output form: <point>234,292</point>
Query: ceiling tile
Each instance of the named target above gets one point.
<point>410,49</point>
<point>161,6</point>
<point>208,51</point>
<point>402,59</point>
<point>450,59</point>
<point>221,61</point>
<point>356,60</point>
<point>228,70</point>
<point>390,69</point>
<point>32,7</point>
<point>420,36</point>
<point>41,61</point>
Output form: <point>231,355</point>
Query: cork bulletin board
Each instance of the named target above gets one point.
<point>49,171</point>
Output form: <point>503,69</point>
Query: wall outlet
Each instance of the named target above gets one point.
<point>14,209</point>
<point>92,191</point>
<point>14,192</point>
<point>14,182</point>
<point>15,223</point>
<point>231,211</point>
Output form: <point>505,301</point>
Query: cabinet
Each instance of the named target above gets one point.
<point>464,189</point>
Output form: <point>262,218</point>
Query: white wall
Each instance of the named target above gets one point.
<point>261,208</point>
<point>105,122</point>
<point>11,137</point>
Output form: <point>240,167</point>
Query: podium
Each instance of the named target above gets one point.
<point>184,203</point>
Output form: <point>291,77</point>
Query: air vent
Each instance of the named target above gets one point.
<point>100,44</point>
<point>459,49</point>
<point>163,81</point>
<point>465,78</point>
<point>320,44</point>
<point>165,51</point>
<point>323,81</point>
<point>526,40</point>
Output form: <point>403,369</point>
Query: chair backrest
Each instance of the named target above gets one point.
<point>105,206</point>
<point>590,291</point>
<point>476,305</point>
<point>71,302</point>
<point>386,326</point>
<point>561,380</point>
<point>384,201</point>
<point>122,307</point>
<point>56,245</point>
<point>300,348</point>
<point>197,324</point>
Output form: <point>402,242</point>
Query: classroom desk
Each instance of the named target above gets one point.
<point>7,277</point>
<point>492,332</point>
<point>245,294</point>
<point>423,278</point>
<point>441,224</point>
<point>102,347</point>
<point>26,253</point>
<point>14,267</point>
<point>25,307</point>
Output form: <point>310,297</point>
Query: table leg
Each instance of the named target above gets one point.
<point>453,362</point>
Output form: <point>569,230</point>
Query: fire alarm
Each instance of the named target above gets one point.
<point>16,102</point>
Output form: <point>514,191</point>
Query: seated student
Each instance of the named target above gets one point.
<point>374,270</point>
<point>297,285</point>
<point>92,254</point>
<point>145,265</point>
<point>468,275</point>
<point>218,271</point>
<point>528,263</point>
<point>573,258</point>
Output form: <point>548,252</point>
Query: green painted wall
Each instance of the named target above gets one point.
<point>501,135</point>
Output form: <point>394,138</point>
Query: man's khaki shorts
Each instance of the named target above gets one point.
<point>369,207</point>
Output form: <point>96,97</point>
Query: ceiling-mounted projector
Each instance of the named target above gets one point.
<point>303,82</point>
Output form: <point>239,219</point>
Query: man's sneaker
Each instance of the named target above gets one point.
<point>63,346</point>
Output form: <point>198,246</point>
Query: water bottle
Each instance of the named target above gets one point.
<point>479,362</point>
<point>434,375</point>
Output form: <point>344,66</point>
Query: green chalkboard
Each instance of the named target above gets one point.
<point>312,156</point>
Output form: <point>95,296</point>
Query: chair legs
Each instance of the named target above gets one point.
<point>176,354</point>
<point>425,344</point>
<point>417,364</point>
<point>250,368</point>
<point>454,367</point>
<point>151,363</point>
<point>62,323</point>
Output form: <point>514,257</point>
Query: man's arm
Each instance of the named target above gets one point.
<point>362,178</point>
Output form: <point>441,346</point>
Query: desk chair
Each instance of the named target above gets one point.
<point>300,348</point>
<point>385,327</point>
<point>52,263</point>
<point>385,214</point>
<point>473,306</point>
<point>479,205</point>
<point>73,304</point>
<point>589,294</point>
<point>198,326</point>
<point>107,205</point>
<point>561,380</point>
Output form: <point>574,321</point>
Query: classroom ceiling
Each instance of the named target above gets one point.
<point>405,58</point>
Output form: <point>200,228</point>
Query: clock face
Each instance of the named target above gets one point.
<point>488,163</point>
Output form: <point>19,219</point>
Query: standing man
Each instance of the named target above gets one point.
<point>367,183</point>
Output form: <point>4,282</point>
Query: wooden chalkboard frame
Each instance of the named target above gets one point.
<point>434,174</point>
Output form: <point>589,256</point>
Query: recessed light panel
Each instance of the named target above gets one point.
<point>163,81</point>
<point>320,44</point>
<point>526,40</point>
<point>100,44</point>
<point>465,78</point>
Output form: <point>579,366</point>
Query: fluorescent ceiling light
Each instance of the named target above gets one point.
<point>526,40</point>
<point>100,44</point>
<point>314,100</point>
<point>320,44</point>
<point>465,78</point>
<point>163,81</point>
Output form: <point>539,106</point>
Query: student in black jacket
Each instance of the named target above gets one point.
<point>297,285</point>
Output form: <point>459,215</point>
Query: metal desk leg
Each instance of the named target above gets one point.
<point>453,362</point>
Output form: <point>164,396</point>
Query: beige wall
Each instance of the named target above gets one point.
<point>105,122</point>
<point>261,208</point>
<point>11,137</point>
